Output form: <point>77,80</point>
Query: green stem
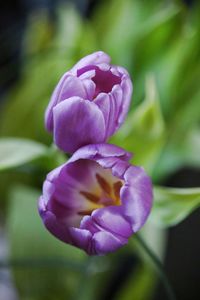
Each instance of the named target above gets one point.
<point>158,266</point>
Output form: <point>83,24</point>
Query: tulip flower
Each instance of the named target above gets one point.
<point>96,200</point>
<point>89,103</point>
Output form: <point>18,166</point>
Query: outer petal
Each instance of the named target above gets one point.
<point>95,58</point>
<point>136,196</point>
<point>67,87</point>
<point>104,242</point>
<point>77,123</point>
<point>115,105</point>
<point>52,224</point>
<point>81,238</point>
<point>111,219</point>
<point>111,104</point>
<point>101,151</point>
<point>127,89</point>
<point>107,155</point>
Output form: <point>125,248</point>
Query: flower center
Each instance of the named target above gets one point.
<point>103,79</point>
<point>108,194</point>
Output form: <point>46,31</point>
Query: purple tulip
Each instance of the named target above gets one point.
<point>89,103</point>
<point>96,200</point>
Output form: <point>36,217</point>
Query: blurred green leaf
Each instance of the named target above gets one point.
<point>50,267</point>
<point>172,205</point>
<point>140,285</point>
<point>144,131</point>
<point>27,101</point>
<point>151,25</point>
<point>180,150</point>
<point>141,282</point>
<point>16,152</point>
<point>38,34</point>
<point>139,17</point>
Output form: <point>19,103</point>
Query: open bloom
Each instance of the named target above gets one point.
<point>96,200</point>
<point>89,103</point>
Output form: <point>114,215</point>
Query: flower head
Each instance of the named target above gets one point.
<point>96,200</point>
<point>89,103</point>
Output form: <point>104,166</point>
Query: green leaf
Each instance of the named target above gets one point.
<point>44,267</point>
<point>16,152</point>
<point>178,151</point>
<point>172,205</point>
<point>140,284</point>
<point>144,131</point>
<point>141,18</point>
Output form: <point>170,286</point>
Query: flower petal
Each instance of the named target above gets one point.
<point>88,224</point>
<point>77,122</point>
<point>81,238</point>
<point>136,196</point>
<point>104,242</point>
<point>114,106</point>
<point>111,219</point>
<point>127,89</point>
<point>95,58</point>
<point>101,151</point>
<point>67,87</point>
<point>52,223</point>
<point>89,86</point>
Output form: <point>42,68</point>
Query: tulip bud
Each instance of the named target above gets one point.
<point>89,103</point>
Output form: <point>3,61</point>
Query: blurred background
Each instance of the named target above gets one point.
<point>159,43</point>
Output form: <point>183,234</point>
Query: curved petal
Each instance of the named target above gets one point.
<point>104,242</point>
<point>102,101</point>
<point>136,196</point>
<point>127,89</point>
<point>101,151</point>
<point>89,86</point>
<point>119,168</point>
<point>52,224</point>
<point>111,219</point>
<point>88,224</point>
<point>115,105</point>
<point>77,123</point>
<point>110,104</point>
<point>47,190</point>
<point>67,87</point>
<point>106,155</point>
<point>80,238</point>
<point>95,58</point>
<point>118,98</point>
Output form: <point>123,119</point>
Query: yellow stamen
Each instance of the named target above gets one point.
<point>117,186</point>
<point>91,197</point>
<point>108,195</point>
<point>103,184</point>
<point>85,212</point>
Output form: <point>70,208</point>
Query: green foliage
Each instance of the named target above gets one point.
<point>54,276</point>
<point>179,151</point>
<point>139,285</point>
<point>172,205</point>
<point>144,131</point>
<point>16,152</point>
